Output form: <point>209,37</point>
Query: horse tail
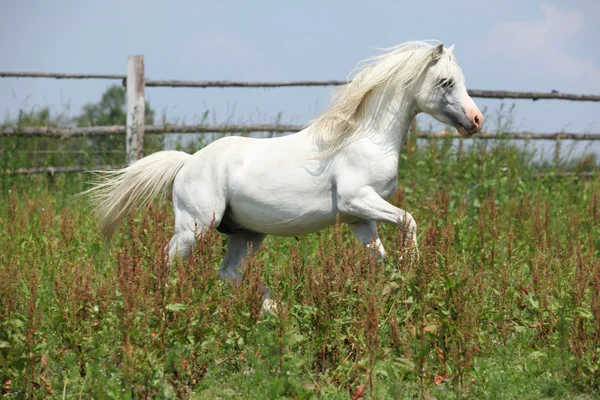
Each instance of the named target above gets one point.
<point>117,192</point>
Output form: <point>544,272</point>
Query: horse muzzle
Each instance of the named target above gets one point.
<point>475,124</point>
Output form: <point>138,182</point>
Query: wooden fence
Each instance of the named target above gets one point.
<point>487,94</point>
<point>136,82</point>
<point>68,133</point>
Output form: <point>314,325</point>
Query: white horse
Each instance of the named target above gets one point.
<point>345,163</point>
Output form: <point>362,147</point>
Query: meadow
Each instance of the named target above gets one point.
<point>502,303</point>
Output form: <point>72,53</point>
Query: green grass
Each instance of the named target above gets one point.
<point>502,304</point>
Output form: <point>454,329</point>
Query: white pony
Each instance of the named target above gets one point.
<point>345,163</point>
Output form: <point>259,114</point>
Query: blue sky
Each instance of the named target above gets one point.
<point>512,45</point>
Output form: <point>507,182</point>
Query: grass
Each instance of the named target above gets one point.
<point>503,302</point>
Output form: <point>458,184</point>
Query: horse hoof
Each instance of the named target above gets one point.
<point>269,306</point>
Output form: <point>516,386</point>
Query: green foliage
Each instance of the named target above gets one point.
<point>38,151</point>
<point>502,303</point>
<point>39,117</point>
<point>112,110</point>
<point>27,152</point>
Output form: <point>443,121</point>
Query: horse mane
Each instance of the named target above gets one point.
<point>401,65</point>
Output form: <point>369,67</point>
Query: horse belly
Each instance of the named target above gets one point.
<point>282,215</point>
<point>279,189</point>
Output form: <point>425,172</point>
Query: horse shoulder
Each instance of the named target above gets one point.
<point>367,165</point>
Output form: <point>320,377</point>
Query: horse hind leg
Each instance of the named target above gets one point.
<point>181,245</point>
<point>238,244</point>
<point>238,249</point>
<point>187,229</point>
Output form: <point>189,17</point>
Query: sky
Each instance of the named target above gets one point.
<point>503,45</point>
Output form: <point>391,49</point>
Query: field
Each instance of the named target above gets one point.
<point>503,302</point>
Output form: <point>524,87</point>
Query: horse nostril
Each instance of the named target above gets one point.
<point>476,120</point>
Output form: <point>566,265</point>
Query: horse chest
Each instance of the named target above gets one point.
<point>369,164</point>
<point>383,177</point>
<point>386,186</point>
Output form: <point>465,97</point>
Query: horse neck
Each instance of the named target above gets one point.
<point>388,115</point>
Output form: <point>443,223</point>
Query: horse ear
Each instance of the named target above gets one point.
<point>438,51</point>
<point>451,49</point>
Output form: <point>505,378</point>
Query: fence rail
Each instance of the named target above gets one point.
<point>60,76</point>
<point>57,170</point>
<point>67,133</point>
<point>52,171</point>
<point>487,94</point>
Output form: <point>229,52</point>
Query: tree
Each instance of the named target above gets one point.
<point>112,110</point>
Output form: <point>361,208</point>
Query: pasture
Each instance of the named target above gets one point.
<point>502,303</point>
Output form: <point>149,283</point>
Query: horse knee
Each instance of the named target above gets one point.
<point>181,245</point>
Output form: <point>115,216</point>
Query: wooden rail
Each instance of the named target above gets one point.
<point>56,170</point>
<point>52,171</point>
<point>488,94</point>
<point>60,76</point>
<point>553,95</point>
<point>67,133</point>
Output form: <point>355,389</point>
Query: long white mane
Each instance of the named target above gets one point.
<point>400,65</point>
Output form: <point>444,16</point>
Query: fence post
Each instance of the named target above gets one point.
<point>136,105</point>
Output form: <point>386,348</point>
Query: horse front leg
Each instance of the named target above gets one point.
<point>366,204</point>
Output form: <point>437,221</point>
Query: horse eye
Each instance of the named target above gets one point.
<point>446,83</point>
